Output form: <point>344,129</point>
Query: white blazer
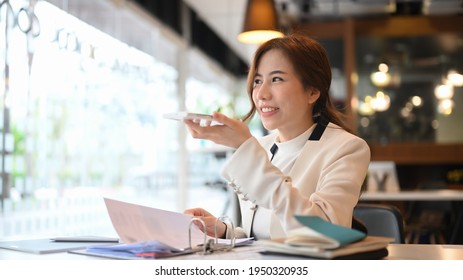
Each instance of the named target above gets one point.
<point>325,180</point>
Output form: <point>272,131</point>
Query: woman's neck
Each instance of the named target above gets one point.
<point>284,136</point>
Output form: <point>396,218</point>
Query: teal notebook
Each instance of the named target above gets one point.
<point>317,238</point>
<point>319,233</point>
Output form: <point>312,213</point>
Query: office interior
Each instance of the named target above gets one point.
<point>85,85</point>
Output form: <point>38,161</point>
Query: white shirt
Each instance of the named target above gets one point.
<point>284,159</point>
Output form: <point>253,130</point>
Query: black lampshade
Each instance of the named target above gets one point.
<point>260,22</point>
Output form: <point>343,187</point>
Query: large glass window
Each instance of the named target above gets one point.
<point>209,89</point>
<point>80,109</point>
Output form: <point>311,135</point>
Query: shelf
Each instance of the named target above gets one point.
<point>418,153</point>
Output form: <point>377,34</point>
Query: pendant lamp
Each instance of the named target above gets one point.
<point>260,22</point>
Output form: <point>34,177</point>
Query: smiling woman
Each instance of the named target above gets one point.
<point>317,168</point>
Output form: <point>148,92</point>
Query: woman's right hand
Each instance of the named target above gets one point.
<point>209,220</point>
<point>231,133</point>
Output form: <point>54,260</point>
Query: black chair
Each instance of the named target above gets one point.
<point>380,220</point>
<point>430,221</point>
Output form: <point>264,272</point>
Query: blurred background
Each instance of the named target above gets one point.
<point>84,85</point>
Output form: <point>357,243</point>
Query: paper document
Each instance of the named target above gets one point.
<point>137,224</point>
<point>148,249</point>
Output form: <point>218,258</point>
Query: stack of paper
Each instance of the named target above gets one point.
<point>141,250</point>
<point>148,232</point>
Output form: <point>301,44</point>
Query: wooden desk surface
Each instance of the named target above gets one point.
<point>396,252</point>
<point>418,195</point>
<point>425,252</point>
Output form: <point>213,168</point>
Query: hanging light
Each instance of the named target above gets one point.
<point>260,22</point>
<point>443,91</point>
<point>445,106</point>
<point>381,77</point>
<point>381,102</point>
<point>416,101</point>
<point>365,109</point>
<point>455,78</point>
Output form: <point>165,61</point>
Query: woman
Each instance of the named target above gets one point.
<point>311,165</point>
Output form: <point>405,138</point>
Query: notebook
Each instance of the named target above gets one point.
<point>324,240</point>
<point>46,246</point>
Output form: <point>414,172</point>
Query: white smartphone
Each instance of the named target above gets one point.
<point>186,115</point>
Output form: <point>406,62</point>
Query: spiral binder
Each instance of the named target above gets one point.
<point>211,245</point>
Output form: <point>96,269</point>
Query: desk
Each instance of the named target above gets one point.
<point>409,252</point>
<point>424,195</point>
<point>396,252</point>
<point>425,252</point>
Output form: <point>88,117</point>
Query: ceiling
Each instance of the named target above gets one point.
<point>226,17</point>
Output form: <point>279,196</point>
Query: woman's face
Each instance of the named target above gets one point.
<point>280,98</point>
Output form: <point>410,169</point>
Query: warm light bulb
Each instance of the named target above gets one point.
<point>381,102</point>
<point>365,109</point>
<point>445,106</point>
<point>260,22</point>
<point>455,78</point>
<point>444,91</point>
<point>258,36</point>
<point>382,67</point>
<point>417,101</point>
<point>380,79</point>
<point>405,112</point>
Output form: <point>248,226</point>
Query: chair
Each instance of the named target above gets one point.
<point>380,220</point>
<point>429,221</point>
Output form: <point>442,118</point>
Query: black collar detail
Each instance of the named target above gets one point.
<point>314,136</point>
<point>318,130</point>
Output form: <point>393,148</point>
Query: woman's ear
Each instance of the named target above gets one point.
<point>314,94</point>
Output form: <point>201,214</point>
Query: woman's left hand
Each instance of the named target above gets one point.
<point>231,133</point>
<point>210,222</point>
